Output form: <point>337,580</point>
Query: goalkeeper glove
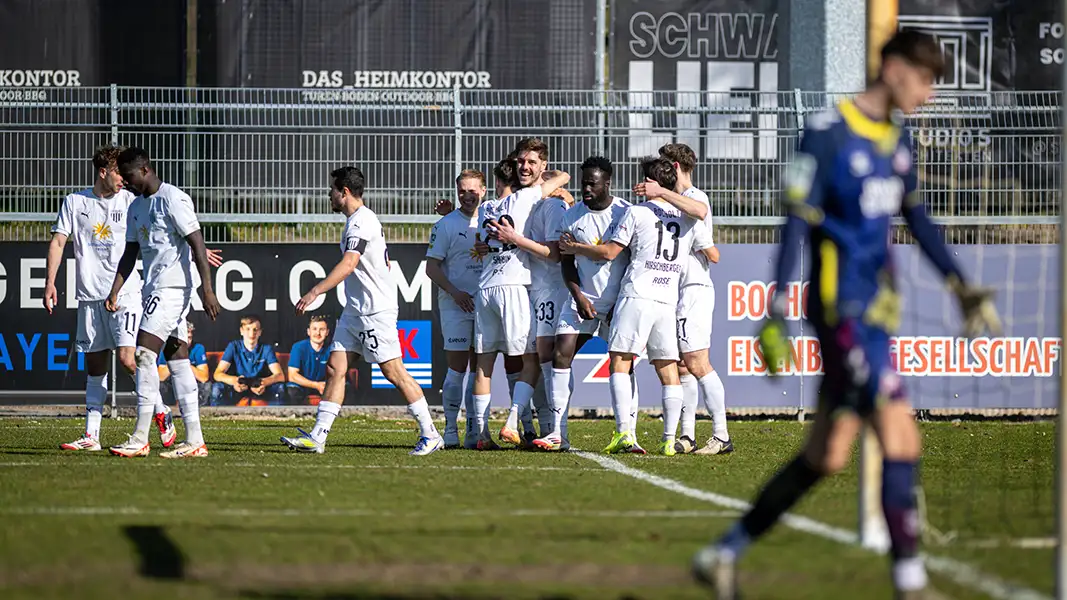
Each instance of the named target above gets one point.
<point>979,312</point>
<point>772,338</point>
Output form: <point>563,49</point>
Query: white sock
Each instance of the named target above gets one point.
<point>520,399</point>
<point>95,395</point>
<point>468,405</point>
<point>482,405</point>
<point>188,395</point>
<point>622,395</point>
<point>561,397</point>
<point>909,574</point>
<point>452,399</point>
<point>715,401</point>
<point>542,401</point>
<point>690,398</point>
<point>635,404</point>
<point>421,412</point>
<point>147,392</point>
<point>672,410</point>
<point>570,394</point>
<point>327,412</point>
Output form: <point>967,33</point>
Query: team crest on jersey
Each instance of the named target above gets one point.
<point>859,164</point>
<point>116,216</point>
<point>902,161</point>
<point>102,232</point>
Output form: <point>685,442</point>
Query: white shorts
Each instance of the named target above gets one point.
<point>547,305</point>
<point>571,323</point>
<point>457,328</point>
<point>99,329</point>
<point>696,306</point>
<point>502,321</point>
<point>374,337</point>
<point>640,324</point>
<point>165,311</point>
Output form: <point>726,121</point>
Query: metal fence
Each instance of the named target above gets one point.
<point>256,160</point>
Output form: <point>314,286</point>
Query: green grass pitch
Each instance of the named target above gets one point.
<point>365,520</point>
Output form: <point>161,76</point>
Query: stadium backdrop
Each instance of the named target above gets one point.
<point>939,369</point>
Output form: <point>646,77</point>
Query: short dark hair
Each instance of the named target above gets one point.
<point>660,170</point>
<point>598,162</point>
<point>134,157</point>
<point>318,319</point>
<point>107,157</point>
<point>349,177</point>
<point>919,48</point>
<point>532,144</point>
<point>506,172</point>
<point>681,154</point>
<point>471,174</point>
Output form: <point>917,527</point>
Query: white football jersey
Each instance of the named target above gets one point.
<point>452,242</point>
<point>660,239</point>
<point>97,226</point>
<point>600,279</point>
<point>698,270</point>
<point>543,226</point>
<point>507,265</point>
<point>159,223</point>
<point>370,288</point>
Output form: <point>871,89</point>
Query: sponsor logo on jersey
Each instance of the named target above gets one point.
<point>102,232</point>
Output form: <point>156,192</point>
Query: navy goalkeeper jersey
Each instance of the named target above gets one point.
<point>850,177</point>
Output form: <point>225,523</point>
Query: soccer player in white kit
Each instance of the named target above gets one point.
<point>162,227</point>
<point>660,239</point>
<point>592,284</point>
<point>696,307</point>
<point>547,292</point>
<point>367,326</point>
<point>502,313</point>
<point>95,219</point>
<point>455,267</point>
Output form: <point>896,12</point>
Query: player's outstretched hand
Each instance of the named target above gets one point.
<point>464,301</point>
<point>214,257</point>
<point>51,297</point>
<point>585,308</point>
<point>443,207</point>
<point>979,313</point>
<point>480,247</point>
<point>567,243</point>
<point>112,304</point>
<point>211,305</point>
<point>649,189</point>
<point>773,345</point>
<point>306,301</point>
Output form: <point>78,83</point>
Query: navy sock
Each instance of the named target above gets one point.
<point>898,502</point>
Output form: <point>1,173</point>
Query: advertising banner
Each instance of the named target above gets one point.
<point>939,369</point>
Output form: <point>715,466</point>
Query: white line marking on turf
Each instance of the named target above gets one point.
<point>58,511</point>
<point>961,573</point>
<point>266,467</point>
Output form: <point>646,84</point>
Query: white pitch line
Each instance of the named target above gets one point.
<point>126,463</point>
<point>59,511</point>
<point>961,573</point>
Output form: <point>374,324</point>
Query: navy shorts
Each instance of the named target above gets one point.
<point>838,389</point>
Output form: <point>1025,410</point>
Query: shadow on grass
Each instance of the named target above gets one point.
<point>160,556</point>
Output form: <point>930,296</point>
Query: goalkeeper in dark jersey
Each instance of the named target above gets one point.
<point>852,174</point>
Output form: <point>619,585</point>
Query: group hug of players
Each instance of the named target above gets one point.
<point>530,277</point>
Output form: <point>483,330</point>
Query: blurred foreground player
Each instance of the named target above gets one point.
<point>853,172</point>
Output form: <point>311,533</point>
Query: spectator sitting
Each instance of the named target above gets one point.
<point>307,364</point>
<point>198,361</point>
<point>258,380</point>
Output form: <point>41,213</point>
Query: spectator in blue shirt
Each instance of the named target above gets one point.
<point>307,363</point>
<point>257,378</point>
<point>198,361</point>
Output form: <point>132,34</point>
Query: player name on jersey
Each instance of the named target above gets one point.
<point>919,356</point>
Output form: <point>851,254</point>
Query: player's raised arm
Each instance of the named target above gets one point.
<point>554,181</point>
<point>690,206</point>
